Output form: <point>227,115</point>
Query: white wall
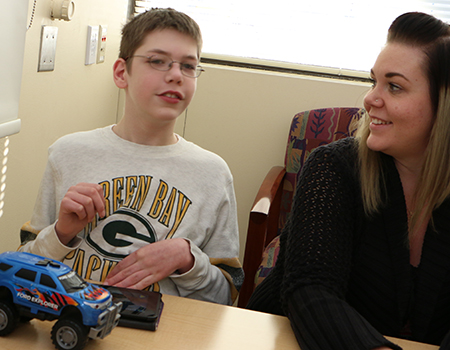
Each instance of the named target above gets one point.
<point>242,115</point>
<point>72,97</point>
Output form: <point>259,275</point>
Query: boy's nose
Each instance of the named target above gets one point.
<point>174,72</point>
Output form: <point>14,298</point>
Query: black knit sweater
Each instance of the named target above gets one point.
<point>343,279</point>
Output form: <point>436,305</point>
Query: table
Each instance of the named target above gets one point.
<point>186,325</point>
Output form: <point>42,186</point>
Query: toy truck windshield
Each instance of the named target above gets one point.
<point>72,282</point>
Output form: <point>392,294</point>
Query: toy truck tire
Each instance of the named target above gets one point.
<point>8,318</point>
<point>68,334</point>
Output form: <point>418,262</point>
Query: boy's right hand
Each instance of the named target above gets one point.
<point>78,208</point>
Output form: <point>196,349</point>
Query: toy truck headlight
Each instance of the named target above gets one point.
<point>93,305</point>
<point>100,306</point>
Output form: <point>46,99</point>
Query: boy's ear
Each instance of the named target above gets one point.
<point>120,73</point>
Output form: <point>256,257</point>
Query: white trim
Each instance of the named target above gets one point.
<point>10,128</point>
<point>287,65</point>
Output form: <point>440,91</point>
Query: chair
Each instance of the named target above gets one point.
<point>270,210</point>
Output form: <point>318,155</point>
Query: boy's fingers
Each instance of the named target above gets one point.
<point>90,196</point>
<point>79,204</point>
<point>115,276</point>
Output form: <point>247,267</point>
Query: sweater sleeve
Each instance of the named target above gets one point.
<point>217,274</point>
<point>318,254</point>
<point>45,242</point>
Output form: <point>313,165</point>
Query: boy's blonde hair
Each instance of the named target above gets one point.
<point>134,32</point>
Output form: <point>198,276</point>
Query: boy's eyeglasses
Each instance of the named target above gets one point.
<point>165,63</point>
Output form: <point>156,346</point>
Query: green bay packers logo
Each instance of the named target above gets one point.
<point>121,233</point>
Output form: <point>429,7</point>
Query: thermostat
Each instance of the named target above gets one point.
<point>62,9</point>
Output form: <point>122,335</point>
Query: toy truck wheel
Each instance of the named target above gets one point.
<point>68,334</point>
<point>8,318</point>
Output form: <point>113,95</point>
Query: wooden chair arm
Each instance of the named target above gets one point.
<point>268,190</point>
<point>262,227</point>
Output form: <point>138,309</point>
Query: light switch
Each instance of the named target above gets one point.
<point>91,45</point>
<point>48,48</point>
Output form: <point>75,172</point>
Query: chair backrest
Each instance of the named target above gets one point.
<point>309,130</point>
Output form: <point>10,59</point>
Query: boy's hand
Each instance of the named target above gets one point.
<point>79,207</point>
<point>152,263</point>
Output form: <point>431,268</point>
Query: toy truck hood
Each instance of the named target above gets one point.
<point>94,293</point>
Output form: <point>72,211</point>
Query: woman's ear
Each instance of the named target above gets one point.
<point>120,73</point>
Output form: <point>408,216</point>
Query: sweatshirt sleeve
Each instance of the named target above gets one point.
<point>318,241</point>
<point>217,274</point>
<point>45,242</point>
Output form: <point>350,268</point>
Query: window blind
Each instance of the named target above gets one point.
<point>13,25</point>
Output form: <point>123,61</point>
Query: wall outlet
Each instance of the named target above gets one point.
<point>48,48</point>
<point>101,48</point>
<point>91,45</point>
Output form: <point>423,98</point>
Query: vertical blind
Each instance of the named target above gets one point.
<point>13,26</point>
<point>342,34</point>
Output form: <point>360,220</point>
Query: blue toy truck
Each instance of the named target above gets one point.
<point>33,286</point>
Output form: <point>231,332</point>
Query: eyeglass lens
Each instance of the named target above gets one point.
<point>164,63</point>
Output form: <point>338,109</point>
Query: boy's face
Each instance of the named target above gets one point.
<point>161,95</point>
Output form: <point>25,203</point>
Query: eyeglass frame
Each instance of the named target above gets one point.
<point>199,69</point>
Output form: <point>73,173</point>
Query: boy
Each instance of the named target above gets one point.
<point>133,204</point>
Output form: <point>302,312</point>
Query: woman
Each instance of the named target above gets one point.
<point>366,251</point>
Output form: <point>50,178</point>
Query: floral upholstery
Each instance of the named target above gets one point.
<point>269,258</point>
<point>309,130</point>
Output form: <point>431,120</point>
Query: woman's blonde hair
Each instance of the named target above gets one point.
<point>433,37</point>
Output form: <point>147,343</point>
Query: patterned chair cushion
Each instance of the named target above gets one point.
<point>269,259</point>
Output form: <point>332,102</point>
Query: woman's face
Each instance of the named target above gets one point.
<point>399,104</point>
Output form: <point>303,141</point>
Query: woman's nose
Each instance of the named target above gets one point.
<point>372,98</point>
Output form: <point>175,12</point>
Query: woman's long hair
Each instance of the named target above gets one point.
<point>433,37</point>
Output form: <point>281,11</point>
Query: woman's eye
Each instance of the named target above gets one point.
<point>394,87</point>
<point>372,82</point>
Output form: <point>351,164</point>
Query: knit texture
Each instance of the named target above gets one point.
<point>343,279</point>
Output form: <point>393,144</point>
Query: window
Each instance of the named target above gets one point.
<point>72,282</point>
<point>47,281</point>
<point>26,274</point>
<point>343,36</point>
<point>5,267</point>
